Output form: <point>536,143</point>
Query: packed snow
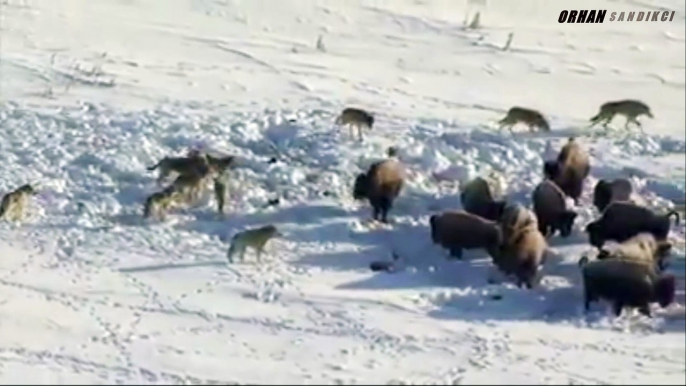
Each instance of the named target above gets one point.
<point>94,91</point>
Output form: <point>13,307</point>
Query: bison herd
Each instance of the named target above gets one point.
<point>516,238</point>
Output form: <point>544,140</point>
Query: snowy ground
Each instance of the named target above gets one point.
<point>93,91</point>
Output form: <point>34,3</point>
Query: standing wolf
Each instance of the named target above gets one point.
<point>531,118</point>
<point>629,108</point>
<point>254,238</point>
<point>355,117</point>
<point>194,163</point>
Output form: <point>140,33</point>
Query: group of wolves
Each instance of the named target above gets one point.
<point>197,169</point>
<point>193,172</point>
<point>629,108</point>
<point>514,236</point>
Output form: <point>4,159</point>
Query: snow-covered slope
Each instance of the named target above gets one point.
<point>93,91</point>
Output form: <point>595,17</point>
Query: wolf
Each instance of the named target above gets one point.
<point>193,163</point>
<point>355,117</point>
<point>530,117</point>
<point>190,186</point>
<point>629,108</point>
<point>13,205</point>
<point>158,203</point>
<point>255,238</point>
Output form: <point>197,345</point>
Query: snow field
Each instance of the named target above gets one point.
<point>93,91</point>
<point>170,280</point>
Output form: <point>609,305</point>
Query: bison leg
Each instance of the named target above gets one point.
<point>375,212</point>
<point>587,301</point>
<point>645,310</point>
<point>456,253</point>
<point>384,215</point>
<point>617,308</point>
<point>385,206</point>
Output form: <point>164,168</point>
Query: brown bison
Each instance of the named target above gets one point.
<point>477,198</point>
<point>380,185</point>
<point>458,230</point>
<point>551,210</point>
<point>570,169</point>
<point>625,284</point>
<point>623,220</point>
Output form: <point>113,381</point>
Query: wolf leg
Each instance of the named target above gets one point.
<point>16,213</point>
<point>231,252</point>
<point>259,254</point>
<point>637,123</point>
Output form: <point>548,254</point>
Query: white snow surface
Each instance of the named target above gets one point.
<point>93,91</point>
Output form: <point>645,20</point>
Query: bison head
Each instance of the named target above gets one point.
<point>361,187</point>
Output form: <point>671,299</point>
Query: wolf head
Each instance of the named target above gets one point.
<point>543,123</point>
<point>271,231</point>
<point>647,112</point>
<point>369,119</point>
<point>220,163</point>
<point>27,189</point>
